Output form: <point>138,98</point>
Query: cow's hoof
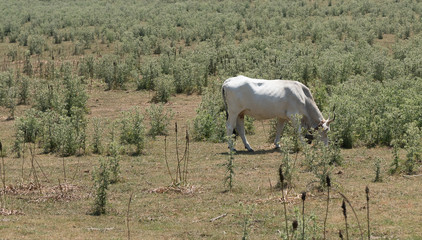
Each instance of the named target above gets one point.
<point>277,147</point>
<point>250,150</point>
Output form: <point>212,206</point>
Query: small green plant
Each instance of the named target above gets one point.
<point>318,161</point>
<point>23,94</point>
<point>101,182</point>
<point>114,150</point>
<point>159,119</point>
<point>378,177</point>
<point>395,165</point>
<point>246,222</point>
<point>114,167</point>
<point>97,136</point>
<point>413,147</point>
<point>133,130</point>
<point>288,165</point>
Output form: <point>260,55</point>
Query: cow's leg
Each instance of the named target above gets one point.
<point>240,127</point>
<point>279,126</point>
<point>230,126</point>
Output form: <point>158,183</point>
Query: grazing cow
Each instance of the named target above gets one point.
<point>266,99</point>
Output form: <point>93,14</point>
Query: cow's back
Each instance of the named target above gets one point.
<point>264,99</point>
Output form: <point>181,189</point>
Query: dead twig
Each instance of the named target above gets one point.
<point>412,176</point>
<point>127,216</point>
<point>218,217</point>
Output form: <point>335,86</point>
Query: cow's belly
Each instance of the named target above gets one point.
<point>267,110</point>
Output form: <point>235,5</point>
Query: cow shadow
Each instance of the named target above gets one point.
<point>257,152</point>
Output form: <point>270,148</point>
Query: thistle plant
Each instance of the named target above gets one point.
<point>3,175</point>
<point>284,199</point>
<point>343,207</point>
<point>367,210</point>
<point>303,196</point>
<point>101,180</point>
<point>230,165</point>
<point>328,181</point>
<point>378,170</point>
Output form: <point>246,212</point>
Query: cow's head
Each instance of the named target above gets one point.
<point>324,128</point>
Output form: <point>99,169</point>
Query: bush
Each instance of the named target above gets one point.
<point>133,130</point>
<point>97,136</point>
<point>164,87</point>
<point>36,44</point>
<point>209,123</point>
<point>159,120</point>
<point>101,182</point>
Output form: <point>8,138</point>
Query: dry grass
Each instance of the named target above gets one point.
<point>159,211</point>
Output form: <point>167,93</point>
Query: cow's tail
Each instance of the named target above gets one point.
<point>225,102</point>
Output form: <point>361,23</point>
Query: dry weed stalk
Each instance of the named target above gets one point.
<point>295,224</point>
<point>367,210</point>
<point>303,214</point>
<point>3,176</point>
<point>354,212</point>
<point>182,163</point>
<point>343,206</point>
<point>127,216</point>
<point>328,182</point>
<point>33,170</point>
<point>280,173</point>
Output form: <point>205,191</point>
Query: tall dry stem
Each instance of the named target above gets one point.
<point>328,182</point>
<point>303,214</point>
<point>354,212</point>
<point>367,210</point>
<point>284,199</point>
<point>127,216</point>
<point>165,158</point>
<point>33,170</point>
<point>343,206</point>
<point>3,176</point>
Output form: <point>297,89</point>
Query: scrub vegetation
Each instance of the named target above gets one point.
<point>90,90</point>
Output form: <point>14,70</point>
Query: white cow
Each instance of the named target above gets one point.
<point>266,99</point>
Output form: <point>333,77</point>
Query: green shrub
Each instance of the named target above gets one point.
<point>36,44</point>
<point>209,123</point>
<point>23,92</point>
<point>164,87</point>
<point>27,130</point>
<point>149,71</point>
<point>101,181</point>
<point>97,136</point>
<point>413,147</point>
<point>159,119</point>
<point>114,162</point>
<point>133,130</point>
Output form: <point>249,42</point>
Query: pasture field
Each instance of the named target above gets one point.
<point>91,93</point>
<point>161,211</point>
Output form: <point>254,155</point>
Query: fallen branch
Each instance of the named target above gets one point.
<point>100,229</point>
<point>216,218</point>
<point>412,176</point>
